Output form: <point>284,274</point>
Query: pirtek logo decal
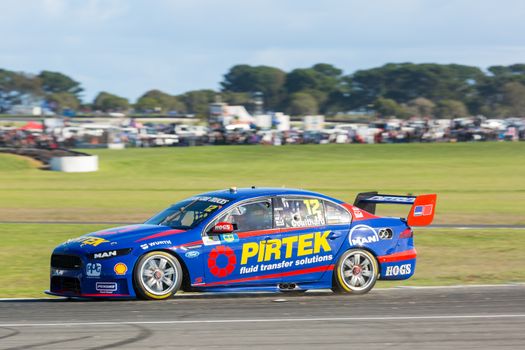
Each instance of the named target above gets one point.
<point>307,244</point>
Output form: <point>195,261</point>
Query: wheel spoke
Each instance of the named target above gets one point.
<point>153,264</point>
<point>148,273</point>
<point>162,264</point>
<point>353,281</point>
<point>158,286</point>
<point>357,258</point>
<point>151,281</point>
<point>169,271</point>
<point>349,263</point>
<point>366,273</point>
<point>361,280</point>
<point>167,281</point>
<point>347,273</point>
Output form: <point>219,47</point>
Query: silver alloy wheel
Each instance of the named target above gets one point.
<point>158,275</point>
<point>358,271</point>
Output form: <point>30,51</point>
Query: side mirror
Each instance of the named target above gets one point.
<point>223,227</point>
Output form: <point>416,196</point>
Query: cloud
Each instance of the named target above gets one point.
<point>129,46</point>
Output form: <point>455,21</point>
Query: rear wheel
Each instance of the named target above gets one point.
<point>157,275</point>
<point>355,272</point>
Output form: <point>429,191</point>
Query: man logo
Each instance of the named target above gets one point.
<point>362,234</point>
<point>104,255</point>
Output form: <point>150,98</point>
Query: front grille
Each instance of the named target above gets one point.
<point>61,284</point>
<point>59,261</point>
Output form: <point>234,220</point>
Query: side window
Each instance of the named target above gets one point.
<point>299,212</point>
<point>335,214</point>
<point>249,217</point>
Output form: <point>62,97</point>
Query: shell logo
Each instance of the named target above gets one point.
<point>120,268</point>
<point>221,261</point>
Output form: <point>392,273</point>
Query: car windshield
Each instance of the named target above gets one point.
<point>188,213</point>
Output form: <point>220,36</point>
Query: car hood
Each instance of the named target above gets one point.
<point>124,236</point>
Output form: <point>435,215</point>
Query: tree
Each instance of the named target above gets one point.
<point>252,79</point>
<point>302,103</point>
<point>322,81</point>
<point>197,102</point>
<point>108,102</point>
<point>421,107</point>
<point>403,82</point>
<point>16,87</point>
<point>386,107</point>
<point>451,109</point>
<point>55,82</point>
<point>237,98</point>
<point>514,99</point>
<point>156,100</point>
<point>63,100</point>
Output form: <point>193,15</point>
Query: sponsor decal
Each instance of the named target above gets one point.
<point>310,248</point>
<point>198,280</point>
<point>229,238</point>
<point>110,253</point>
<point>89,240</point>
<point>397,270</point>
<point>307,244</point>
<point>106,287</point>
<point>120,268</point>
<point>392,199</point>
<point>223,227</point>
<point>362,234</point>
<point>216,200</point>
<point>221,261</point>
<point>57,272</point>
<point>423,210</point>
<point>104,255</point>
<point>154,244</point>
<point>192,254</point>
<point>385,233</point>
<point>93,269</point>
<point>357,212</point>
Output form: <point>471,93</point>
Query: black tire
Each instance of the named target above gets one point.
<point>157,276</point>
<point>348,278</point>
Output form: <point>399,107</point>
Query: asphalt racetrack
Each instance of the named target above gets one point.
<point>401,318</point>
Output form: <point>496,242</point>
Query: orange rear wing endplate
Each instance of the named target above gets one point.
<point>422,211</point>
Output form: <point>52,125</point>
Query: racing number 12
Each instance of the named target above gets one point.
<point>312,206</point>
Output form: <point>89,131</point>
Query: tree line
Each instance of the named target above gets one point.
<point>394,89</point>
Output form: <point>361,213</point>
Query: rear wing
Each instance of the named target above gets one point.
<point>421,213</point>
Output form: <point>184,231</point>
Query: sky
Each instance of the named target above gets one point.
<point>128,47</point>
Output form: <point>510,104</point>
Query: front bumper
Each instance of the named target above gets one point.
<point>87,278</point>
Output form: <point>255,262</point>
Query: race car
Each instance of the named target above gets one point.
<point>251,239</point>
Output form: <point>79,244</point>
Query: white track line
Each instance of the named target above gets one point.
<point>261,320</point>
<point>308,293</point>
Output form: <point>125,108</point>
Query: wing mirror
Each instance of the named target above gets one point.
<point>223,227</point>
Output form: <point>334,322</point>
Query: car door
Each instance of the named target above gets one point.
<point>244,256</point>
<point>309,242</point>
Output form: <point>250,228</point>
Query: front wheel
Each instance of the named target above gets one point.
<point>356,272</point>
<point>157,275</point>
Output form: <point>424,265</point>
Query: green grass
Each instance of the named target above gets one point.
<point>475,182</point>
<point>445,257</point>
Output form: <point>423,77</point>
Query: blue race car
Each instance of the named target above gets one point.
<point>248,239</point>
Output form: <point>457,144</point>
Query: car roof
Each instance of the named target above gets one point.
<point>235,194</point>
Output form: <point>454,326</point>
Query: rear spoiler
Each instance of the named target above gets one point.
<point>421,213</point>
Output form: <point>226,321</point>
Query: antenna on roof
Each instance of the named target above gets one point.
<point>233,189</point>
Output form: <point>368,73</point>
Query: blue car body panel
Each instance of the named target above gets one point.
<point>101,264</point>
